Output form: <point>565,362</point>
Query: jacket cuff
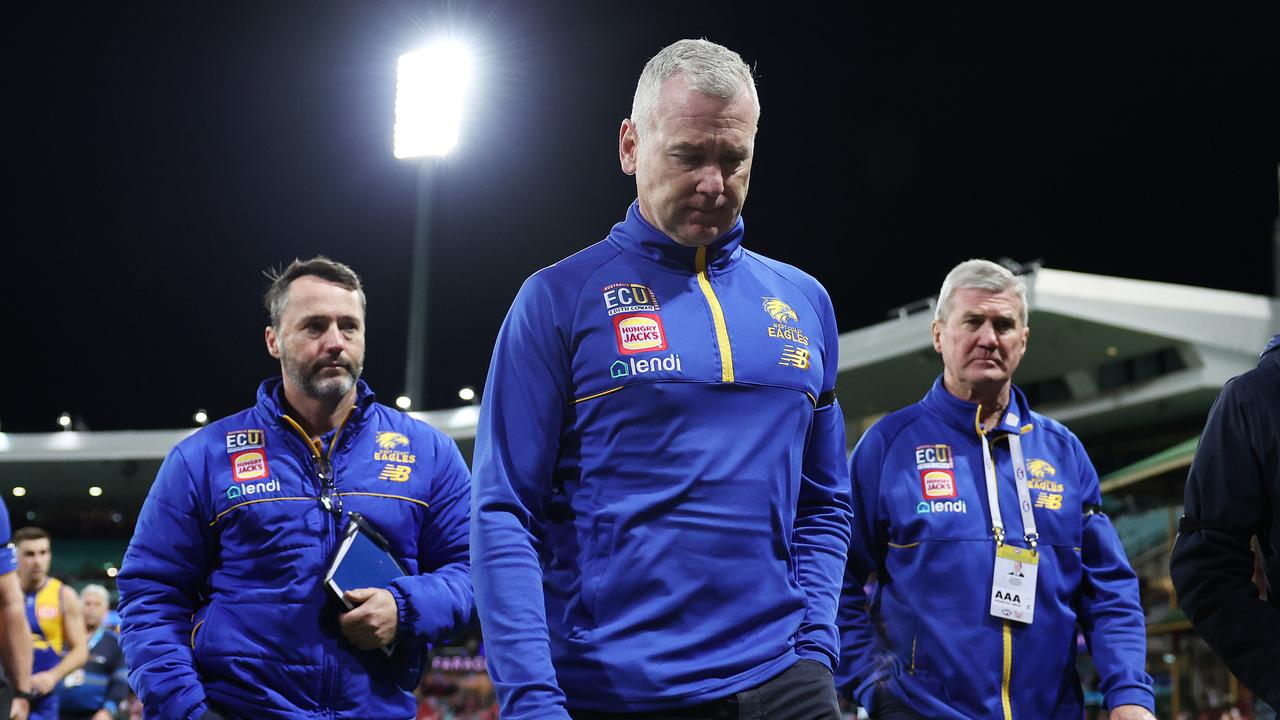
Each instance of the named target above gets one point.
<point>1132,696</point>
<point>819,657</point>
<point>404,624</point>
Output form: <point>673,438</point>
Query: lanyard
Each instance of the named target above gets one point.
<point>1020,481</point>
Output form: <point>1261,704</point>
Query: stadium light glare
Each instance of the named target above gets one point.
<point>431,86</point>
<point>403,402</point>
<point>19,491</point>
<point>112,572</point>
<point>201,417</point>
<point>467,394</point>
<point>95,491</point>
<point>64,421</point>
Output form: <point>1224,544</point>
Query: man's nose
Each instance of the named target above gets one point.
<point>987,335</point>
<point>711,179</point>
<point>333,339</point>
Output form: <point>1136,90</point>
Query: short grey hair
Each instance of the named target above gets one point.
<point>99,591</point>
<point>981,275</point>
<point>709,68</point>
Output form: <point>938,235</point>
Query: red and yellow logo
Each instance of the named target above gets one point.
<point>249,465</point>
<point>938,484</point>
<point>639,333</point>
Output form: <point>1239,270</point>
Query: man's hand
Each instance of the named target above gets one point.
<point>1131,712</point>
<point>42,683</point>
<point>20,709</point>
<point>372,624</point>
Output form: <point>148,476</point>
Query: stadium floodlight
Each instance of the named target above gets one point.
<point>403,402</point>
<point>431,85</point>
<point>112,572</point>
<point>467,394</point>
<point>201,417</point>
<point>64,421</point>
<point>19,491</point>
<point>95,491</point>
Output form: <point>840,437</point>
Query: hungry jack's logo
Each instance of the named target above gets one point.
<point>639,333</point>
<point>249,465</point>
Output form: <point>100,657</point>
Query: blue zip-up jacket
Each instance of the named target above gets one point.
<point>661,504</point>
<point>923,526</point>
<point>221,591</point>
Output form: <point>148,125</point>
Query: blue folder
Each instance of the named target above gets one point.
<point>361,561</point>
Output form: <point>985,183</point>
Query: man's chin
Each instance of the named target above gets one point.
<point>330,389</point>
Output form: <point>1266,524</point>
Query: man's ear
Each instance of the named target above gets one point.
<point>937,335</point>
<point>627,140</point>
<point>273,342</point>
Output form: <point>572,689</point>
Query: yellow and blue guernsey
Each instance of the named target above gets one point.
<point>661,505</point>
<point>222,601</point>
<point>44,615</point>
<point>923,525</point>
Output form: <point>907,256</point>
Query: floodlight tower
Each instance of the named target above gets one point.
<point>431,85</point>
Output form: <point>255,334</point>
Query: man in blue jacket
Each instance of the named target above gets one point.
<point>661,503</point>
<point>15,634</point>
<point>222,601</point>
<point>979,522</point>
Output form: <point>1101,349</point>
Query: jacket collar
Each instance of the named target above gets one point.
<point>271,401</point>
<point>636,235</point>
<point>963,415</point>
<point>1272,346</point>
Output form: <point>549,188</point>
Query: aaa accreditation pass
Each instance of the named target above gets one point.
<point>1013,588</point>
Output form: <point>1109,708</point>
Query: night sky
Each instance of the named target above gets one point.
<point>168,153</point>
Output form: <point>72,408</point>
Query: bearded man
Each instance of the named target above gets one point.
<point>222,597</point>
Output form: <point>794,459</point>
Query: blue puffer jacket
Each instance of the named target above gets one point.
<point>923,526</point>
<point>221,595</point>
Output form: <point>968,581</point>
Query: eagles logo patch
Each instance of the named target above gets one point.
<point>780,311</point>
<point>391,440</point>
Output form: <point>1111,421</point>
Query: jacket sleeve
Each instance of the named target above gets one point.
<point>1212,565</point>
<point>161,578</point>
<point>865,664</point>
<point>517,443</point>
<point>1110,610</point>
<point>438,601</point>
<point>820,539</point>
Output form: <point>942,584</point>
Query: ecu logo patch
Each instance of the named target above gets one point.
<point>238,440</point>
<point>628,297</point>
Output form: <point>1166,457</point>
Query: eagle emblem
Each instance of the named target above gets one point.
<point>391,440</point>
<point>779,310</point>
<point>1040,469</point>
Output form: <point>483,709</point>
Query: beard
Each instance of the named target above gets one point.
<point>326,389</point>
